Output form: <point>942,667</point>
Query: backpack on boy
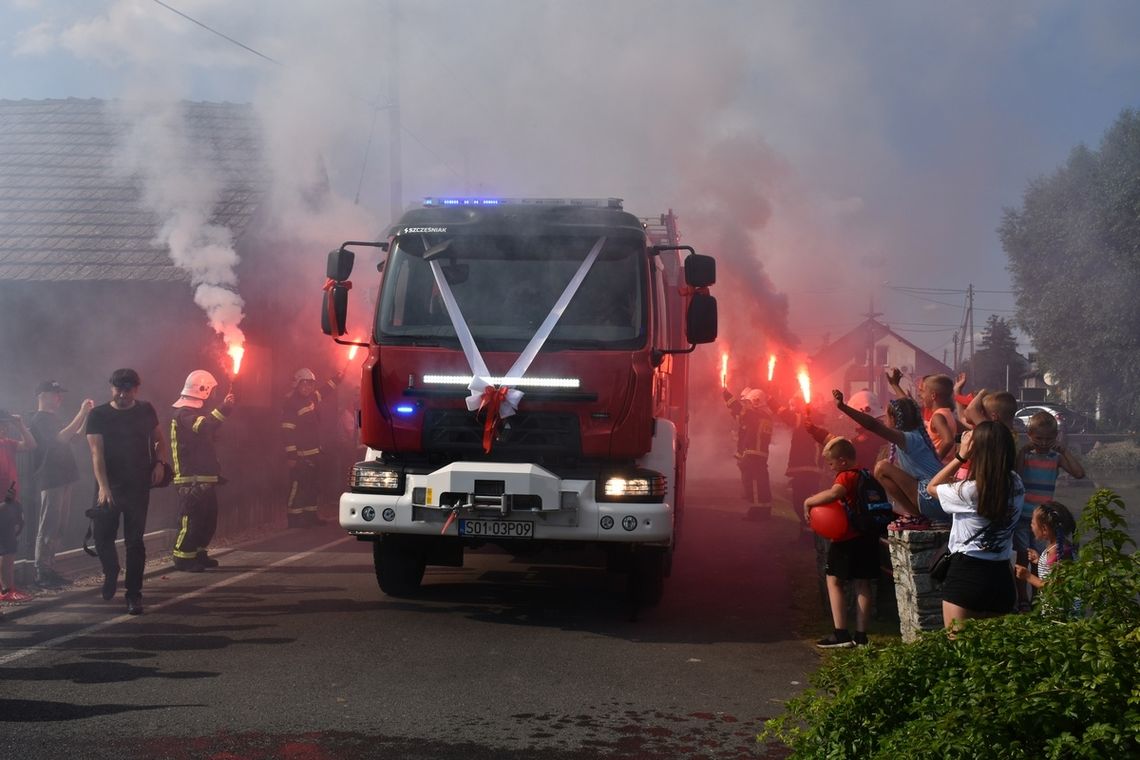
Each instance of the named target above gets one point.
<point>868,510</point>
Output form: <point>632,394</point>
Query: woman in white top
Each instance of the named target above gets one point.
<point>984,508</point>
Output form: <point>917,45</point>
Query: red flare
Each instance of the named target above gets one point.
<point>805,384</point>
<point>236,353</point>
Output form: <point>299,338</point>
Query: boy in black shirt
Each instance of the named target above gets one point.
<point>127,453</point>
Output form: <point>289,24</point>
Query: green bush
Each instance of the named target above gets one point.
<point>1020,686</point>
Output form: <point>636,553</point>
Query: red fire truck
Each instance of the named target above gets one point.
<point>526,384</point>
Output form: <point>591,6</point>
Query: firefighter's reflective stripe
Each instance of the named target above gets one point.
<point>197,424</point>
<point>308,452</point>
<point>290,448</point>
<point>288,426</point>
<point>183,528</point>
<point>306,409</point>
<point>217,414</point>
<point>189,480</point>
<point>174,448</point>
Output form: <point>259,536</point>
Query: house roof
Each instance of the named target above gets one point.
<point>66,214</point>
<point>843,348</point>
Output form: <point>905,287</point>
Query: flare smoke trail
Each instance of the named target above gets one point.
<point>181,189</point>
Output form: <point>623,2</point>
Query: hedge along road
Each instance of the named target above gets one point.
<point>289,649</point>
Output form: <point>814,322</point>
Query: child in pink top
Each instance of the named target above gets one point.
<point>11,512</point>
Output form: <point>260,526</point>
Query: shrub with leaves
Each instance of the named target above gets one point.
<point>1019,686</point>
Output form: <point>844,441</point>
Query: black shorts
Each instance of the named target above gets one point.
<point>11,518</point>
<point>980,585</point>
<point>856,558</point>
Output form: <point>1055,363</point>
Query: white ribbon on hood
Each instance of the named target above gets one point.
<point>480,375</point>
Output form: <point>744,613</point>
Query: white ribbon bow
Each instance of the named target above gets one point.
<point>480,375</point>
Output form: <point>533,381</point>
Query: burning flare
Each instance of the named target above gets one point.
<point>236,353</point>
<point>771,366</point>
<point>352,352</point>
<point>724,370</point>
<point>805,384</point>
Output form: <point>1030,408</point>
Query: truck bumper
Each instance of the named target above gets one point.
<point>569,510</point>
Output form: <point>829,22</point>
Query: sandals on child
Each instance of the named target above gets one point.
<point>910,522</point>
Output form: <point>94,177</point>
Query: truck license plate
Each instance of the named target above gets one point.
<point>497,528</point>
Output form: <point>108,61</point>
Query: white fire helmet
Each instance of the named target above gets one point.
<point>303,374</point>
<point>755,395</point>
<point>198,387</point>
<point>866,401</point>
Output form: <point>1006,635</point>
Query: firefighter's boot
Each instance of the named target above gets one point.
<point>205,560</point>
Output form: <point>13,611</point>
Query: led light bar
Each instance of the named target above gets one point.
<point>437,201</point>
<point>514,382</point>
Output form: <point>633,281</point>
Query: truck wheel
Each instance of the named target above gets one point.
<point>399,565</point>
<point>647,573</point>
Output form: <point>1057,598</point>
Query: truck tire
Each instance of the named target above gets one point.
<point>647,572</point>
<point>400,564</point>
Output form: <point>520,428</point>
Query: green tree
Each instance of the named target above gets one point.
<point>1074,253</point>
<point>997,359</point>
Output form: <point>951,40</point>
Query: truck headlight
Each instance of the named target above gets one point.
<point>376,477</point>
<point>636,486</point>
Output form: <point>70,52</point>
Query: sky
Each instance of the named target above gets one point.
<point>831,154</point>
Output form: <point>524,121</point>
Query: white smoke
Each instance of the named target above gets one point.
<point>182,187</point>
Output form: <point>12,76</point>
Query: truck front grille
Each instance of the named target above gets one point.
<point>526,436</point>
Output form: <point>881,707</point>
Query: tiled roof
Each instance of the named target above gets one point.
<point>66,214</point>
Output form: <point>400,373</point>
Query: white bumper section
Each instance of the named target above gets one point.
<point>569,510</point>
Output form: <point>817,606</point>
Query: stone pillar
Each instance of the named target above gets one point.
<point>919,600</point>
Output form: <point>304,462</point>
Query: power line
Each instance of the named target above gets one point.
<point>215,31</point>
<point>243,46</point>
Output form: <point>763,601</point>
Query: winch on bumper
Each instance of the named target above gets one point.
<point>494,501</point>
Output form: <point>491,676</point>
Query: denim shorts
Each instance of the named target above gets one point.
<point>928,506</point>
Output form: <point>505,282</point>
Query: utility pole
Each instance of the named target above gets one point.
<point>870,315</point>
<point>957,356</point>
<point>395,165</point>
<point>970,317</point>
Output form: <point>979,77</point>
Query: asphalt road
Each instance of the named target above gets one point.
<point>289,650</point>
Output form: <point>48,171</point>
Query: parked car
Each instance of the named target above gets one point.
<point>1068,420</point>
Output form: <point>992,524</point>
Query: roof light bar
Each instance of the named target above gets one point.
<point>447,201</point>
<point>514,382</point>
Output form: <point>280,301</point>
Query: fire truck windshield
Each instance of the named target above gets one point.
<point>506,286</point>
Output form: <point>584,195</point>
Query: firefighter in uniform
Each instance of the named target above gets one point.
<point>301,435</point>
<point>805,458</point>
<point>753,437</point>
<point>197,473</point>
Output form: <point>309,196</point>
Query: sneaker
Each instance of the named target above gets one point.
<point>15,596</point>
<point>46,581</point>
<point>835,641</point>
<point>110,585</point>
<point>859,639</point>
<point>62,580</point>
<point>134,605</point>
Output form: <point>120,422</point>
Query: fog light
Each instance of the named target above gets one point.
<point>368,513</point>
<point>607,522</point>
<point>376,478</point>
<point>388,514</point>
<point>629,522</point>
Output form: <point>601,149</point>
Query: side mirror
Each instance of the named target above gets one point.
<point>700,319</point>
<point>340,262</point>
<point>700,271</point>
<point>334,310</point>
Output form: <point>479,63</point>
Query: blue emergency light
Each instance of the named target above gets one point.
<point>405,409</point>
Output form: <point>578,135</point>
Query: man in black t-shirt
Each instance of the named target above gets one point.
<point>127,454</point>
<point>56,471</point>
